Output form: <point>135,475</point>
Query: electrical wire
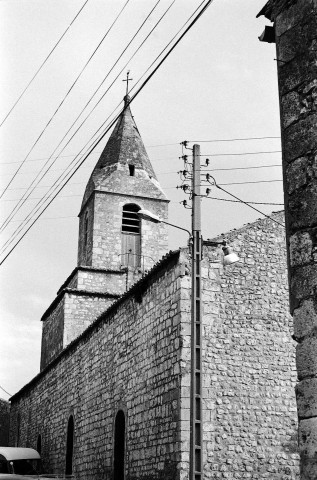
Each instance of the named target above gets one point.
<point>117,77</point>
<point>230,139</point>
<point>64,99</point>
<point>239,154</point>
<point>42,65</point>
<point>243,168</point>
<point>242,201</point>
<point>203,9</point>
<point>81,161</point>
<point>257,181</point>
<point>40,198</point>
<point>164,188</point>
<point>23,199</point>
<point>6,391</point>
<point>239,201</point>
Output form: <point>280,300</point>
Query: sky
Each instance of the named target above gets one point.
<point>220,83</point>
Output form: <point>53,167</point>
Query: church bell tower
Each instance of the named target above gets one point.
<point>115,247</point>
<point>123,182</point>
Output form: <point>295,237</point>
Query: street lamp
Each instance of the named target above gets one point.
<point>151,217</point>
<point>229,257</point>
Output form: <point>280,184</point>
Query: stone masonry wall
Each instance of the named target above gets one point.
<point>250,422</point>
<point>52,334</point>
<point>296,42</point>
<point>107,230</point>
<point>128,360</point>
<point>102,281</point>
<point>4,422</point>
<point>72,314</point>
<point>85,254</point>
<point>80,311</point>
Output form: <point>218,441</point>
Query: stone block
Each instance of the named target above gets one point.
<point>307,438</point>
<point>302,68</point>
<point>303,283</point>
<point>306,357</point>
<point>306,396</point>
<point>296,174</point>
<point>305,318</point>
<point>308,468</point>
<point>291,108</point>
<point>302,208</point>
<point>296,14</point>
<point>297,39</point>
<point>300,248</point>
<point>300,138</point>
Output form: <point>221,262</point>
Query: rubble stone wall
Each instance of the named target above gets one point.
<point>106,237</point>
<point>250,421</point>
<point>4,422</point>
<point>67,317</point>
<point>296,41</point>
<point>129,361</point>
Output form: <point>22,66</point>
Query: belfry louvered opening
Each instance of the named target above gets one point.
<point>130,219</point>
<point>131,236</point>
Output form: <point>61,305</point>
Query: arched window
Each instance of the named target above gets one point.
<point>119,447</point>
<point>131,236</point>
<point>39,444</point>
<point>69,446</point>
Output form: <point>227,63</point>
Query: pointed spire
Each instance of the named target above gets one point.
<point>125,145</point>
<point>124,150</point>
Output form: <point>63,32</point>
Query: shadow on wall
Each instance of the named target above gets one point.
<point>4,422</point>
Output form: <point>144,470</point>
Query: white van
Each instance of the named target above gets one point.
<point>17,463</point>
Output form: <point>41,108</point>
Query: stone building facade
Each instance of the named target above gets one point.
<point>112,402</point>
<point>295,28</point>
<point>112,251</point>
<point>4,422</point>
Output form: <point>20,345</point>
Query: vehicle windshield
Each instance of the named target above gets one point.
<point>26,467</point>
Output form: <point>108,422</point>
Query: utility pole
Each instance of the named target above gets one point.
<point>196,413</point>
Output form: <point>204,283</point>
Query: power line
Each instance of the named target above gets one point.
<point>42,65</point>
<point>233,154</point>
<point>239,201</point>
<point>64,156</point>
<point>162,145</point>
<point>23,199</point>
<point>245,183</point>
<point>117,77</point>
<point>242,201</point>
<point>243,168</point>
<point>230,139</point>
<point>6,391</point>
<point>40,198</point>
<point>81,161</point>
<point>174,171</point>
<point>63,100</point>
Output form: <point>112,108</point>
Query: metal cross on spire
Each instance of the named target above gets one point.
<point>127,80</point>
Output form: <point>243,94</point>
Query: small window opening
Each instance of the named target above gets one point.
<point>131,170</point>
<point>119,447</point>
<point>69,446</point>
<point>131,236</point>
<point>130,219</point>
